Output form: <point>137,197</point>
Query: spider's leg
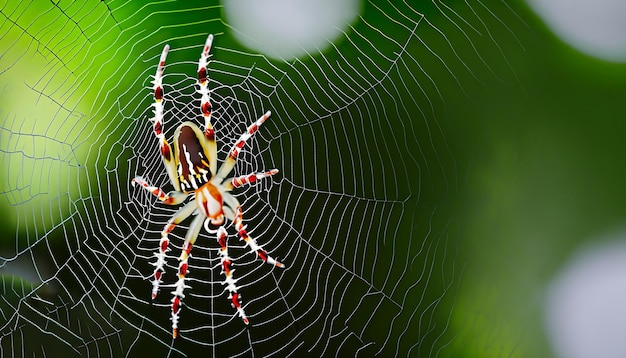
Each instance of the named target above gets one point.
<point>159,265</point>
<point>231,183</point>
<point>166,150</point>
<point>171,198</point>
<point>205,104</point>
<point>243,234</point>
<point>227,270</point>
<point>230,161</point>
<point>183,269</point>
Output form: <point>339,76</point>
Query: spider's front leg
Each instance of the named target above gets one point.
<point>183,269</point>
<point>159,265</point>
<point>227,270</point>
<point>236,182</point>
<point>237,219</point>
<point>251,242</point>
<point>171,198</point>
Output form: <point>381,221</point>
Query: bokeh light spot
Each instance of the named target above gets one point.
<point>287,29</point>
<point>585,311</point>
<point>596,28</point>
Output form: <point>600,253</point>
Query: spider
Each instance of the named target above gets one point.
<point>192,170</point>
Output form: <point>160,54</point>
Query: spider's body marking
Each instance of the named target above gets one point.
<point>193,158</point>
<point>192,169</point>
<point>211,203</point>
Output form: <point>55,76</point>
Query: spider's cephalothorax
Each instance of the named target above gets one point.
<point>192,169</point>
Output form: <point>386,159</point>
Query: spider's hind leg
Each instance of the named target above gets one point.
<point>159,99</point>
<point>205,103</point>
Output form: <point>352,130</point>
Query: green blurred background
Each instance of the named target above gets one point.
<point>536,137</point>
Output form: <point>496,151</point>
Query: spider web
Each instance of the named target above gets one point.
<point>362,211</point>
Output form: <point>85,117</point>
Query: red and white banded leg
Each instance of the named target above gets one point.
<point>230,184</point>
<point>159,99</point>
<point>254,247</point>
<point>230,161</point>
<point>158,94</point>
<point>159,265</point>
<point>171,198</point>
<point>183,270</point>
<point>227,270</point>
<point>205,103</point>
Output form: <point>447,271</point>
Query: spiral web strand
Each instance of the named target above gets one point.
<point>354,212</point>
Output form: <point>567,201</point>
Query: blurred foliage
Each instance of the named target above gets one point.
<point>543,175</point>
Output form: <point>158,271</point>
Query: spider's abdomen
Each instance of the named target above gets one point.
<point>192,157</point>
